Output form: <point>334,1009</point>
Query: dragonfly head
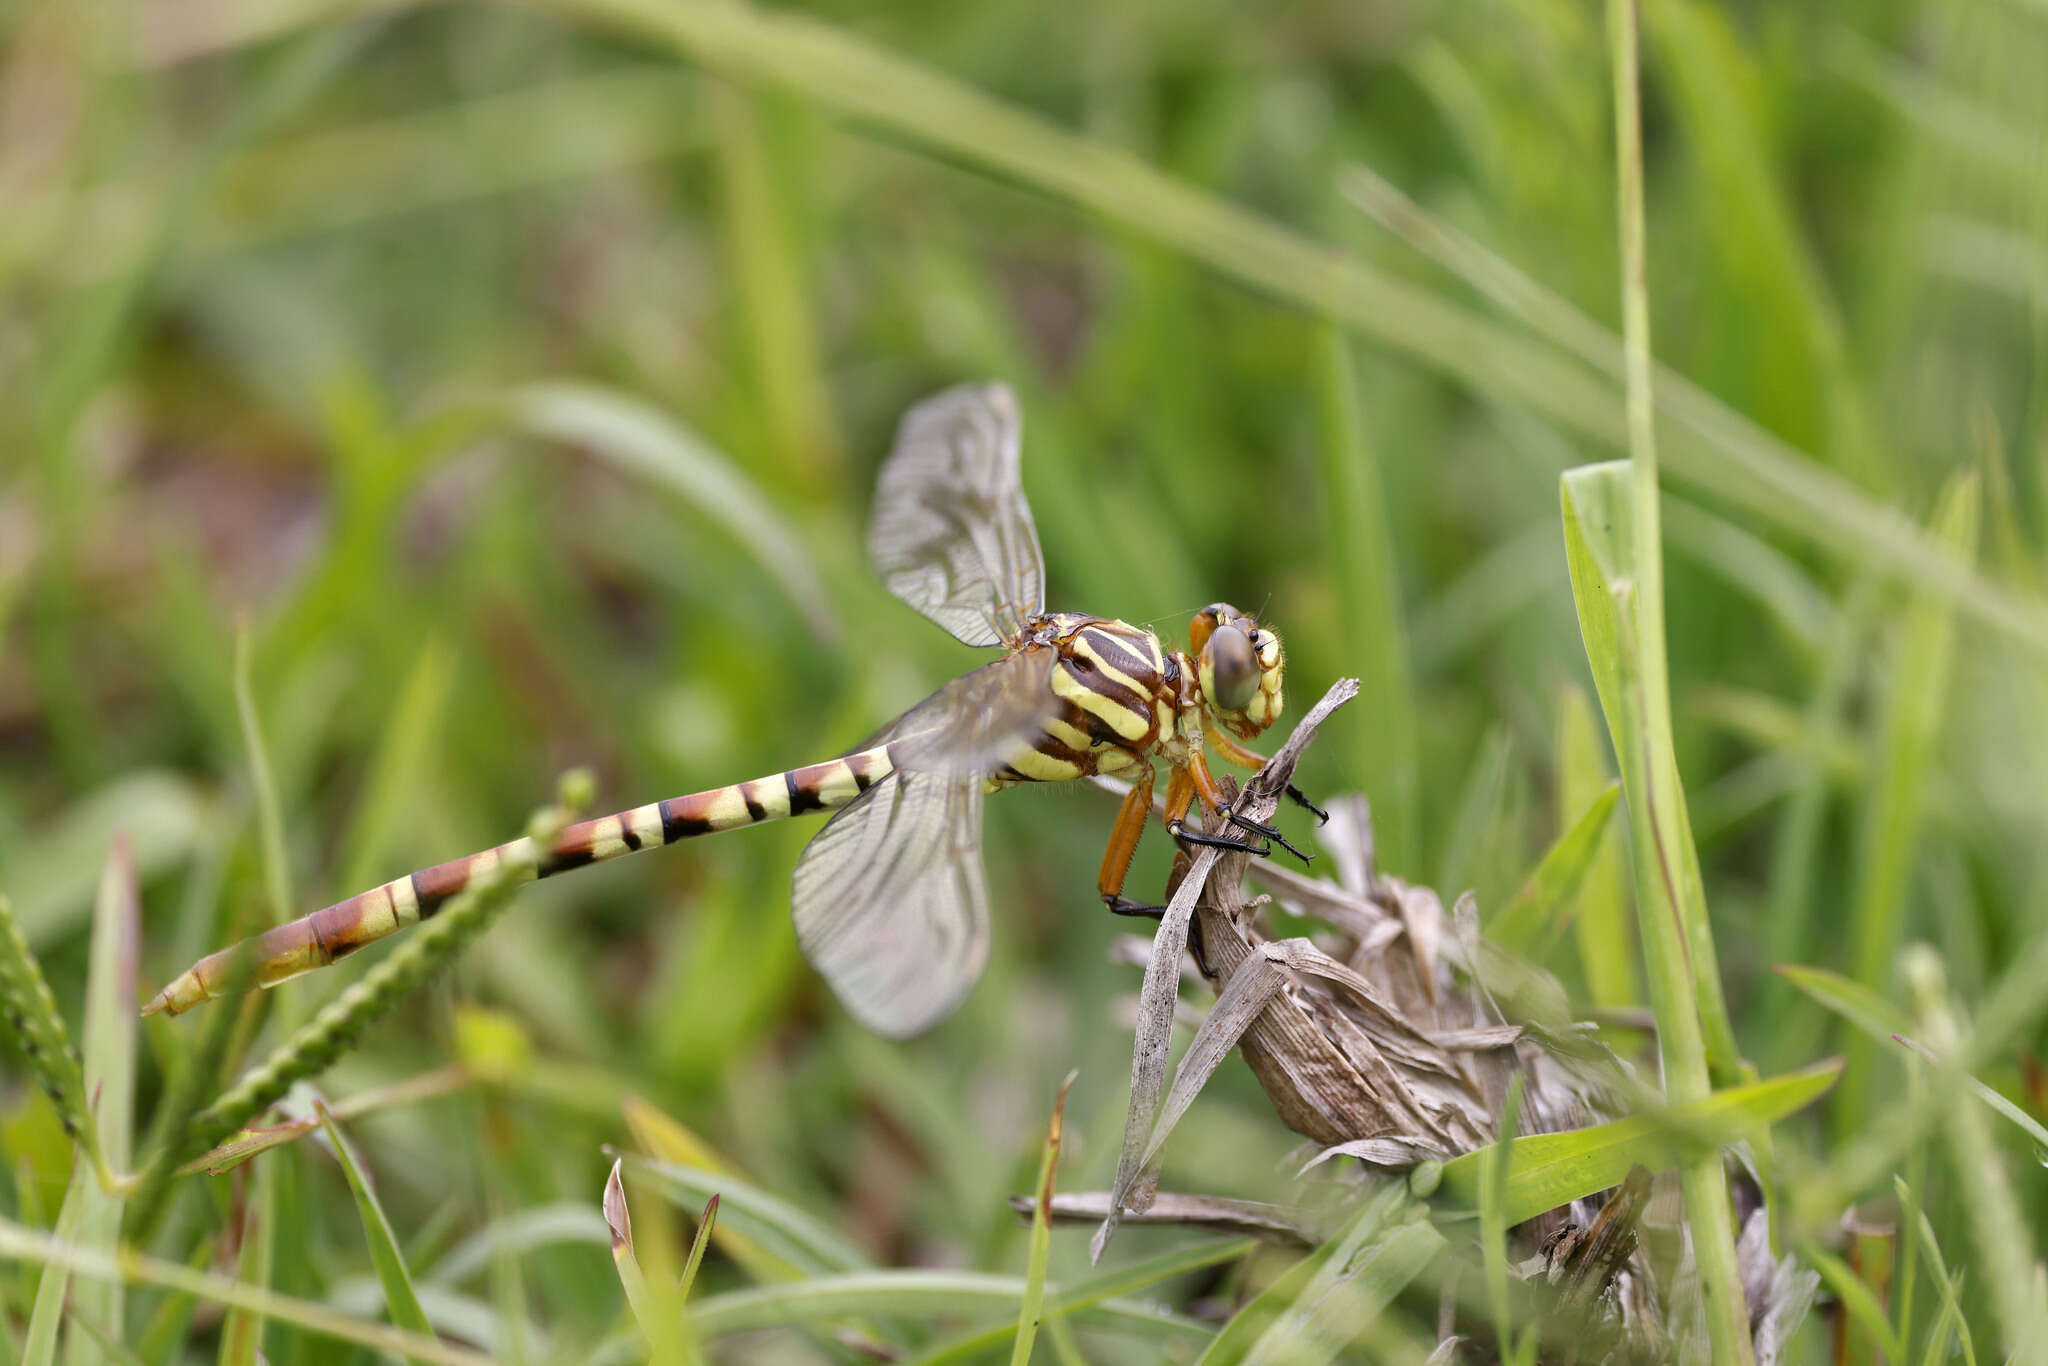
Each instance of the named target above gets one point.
<point>1238,664</point>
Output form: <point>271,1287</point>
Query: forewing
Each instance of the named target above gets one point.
<point>969,726</point>
<point>890,904</point>
<point>952,535</point>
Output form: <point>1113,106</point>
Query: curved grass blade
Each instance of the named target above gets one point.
<point>1362,571</point>
<point>1041,1234</point>
<point>19,1244</point>
<point>643,440</point>
<point>659,1315</point>
<point>1531,915</point>
<point>1951,1318</point>
<point>1601,922</point>
<point>241,1334</point>
<point>1857,1299</point>
<point>219,1161</point>
<point>1711,444</point>
<point>401,1300</point>
<point>54,876</point>
<point>913,1294</point>
<point>1848,998</point>
<point>1336,1293</point>
<point>778,1226</point>
<point>668,1140</point>
<point>1086,1294</point>
<point>1915,710</point>
<point>1548,1170</point>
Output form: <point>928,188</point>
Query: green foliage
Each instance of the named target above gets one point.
<point>517,374</point>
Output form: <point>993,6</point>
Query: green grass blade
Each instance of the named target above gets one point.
<point>1132,1279</point>
<point>18,1244</point>
<point>1709,443</point>
<point>1859,1302</point>
<point>757,216</point>
<point>1360,542</point>
<point>1951,1292</point>
<point>54,875</point>
<point>241,1334</point>
<point>277,871</point>
<point>1602,552</point>
<point>108,1040</point>
<point>1601,923</point>
<point>404,755</point>
<point>1548,1170</point>
<point>1915,709</point>
<point>1495,1166</point>
<point>913,1294</point>
<point>667,1140</point>
<point>1029,1311</point>
<point>1848,998</point>
<point>2005,1246</point>
<point>1335,1294</point>
<point>659,1316</point>
<point>1532,914</point>
<point>778,1226</point>
<point>401,1300</point>
<point>644,441</point>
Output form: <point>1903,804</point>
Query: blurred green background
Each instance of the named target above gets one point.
<point>519,375</point>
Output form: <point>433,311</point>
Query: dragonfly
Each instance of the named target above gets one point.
<point>889,898</point>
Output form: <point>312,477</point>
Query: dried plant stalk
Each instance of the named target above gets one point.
<point>1393,1041</point>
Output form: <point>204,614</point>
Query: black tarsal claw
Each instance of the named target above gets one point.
<point>1123,905</point>
<point>1197,837</point>
<point>1270,832</point>
<point>1294,794</point>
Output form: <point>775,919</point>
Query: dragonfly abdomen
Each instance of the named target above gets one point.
<point>334,932</point>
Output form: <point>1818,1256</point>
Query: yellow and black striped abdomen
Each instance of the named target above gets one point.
<point>1114,705</point>
<point>336,931</point>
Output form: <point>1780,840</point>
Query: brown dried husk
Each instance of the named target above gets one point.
<point>1391,1040</point>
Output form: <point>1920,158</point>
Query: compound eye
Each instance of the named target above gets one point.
<point>1233,669</point>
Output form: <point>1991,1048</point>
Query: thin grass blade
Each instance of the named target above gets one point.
<point>668,1140</point>
<point>658,1315</point>
<point>1548,1170</point>
<point>237,1293</point>
<point>1041,1234</point>
<point>401,1300</point>
<point>1533,913</point>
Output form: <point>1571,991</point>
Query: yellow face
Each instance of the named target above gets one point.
<point>1238,664</point>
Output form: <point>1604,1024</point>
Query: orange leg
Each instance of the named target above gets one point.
<point>1226,745</point>
<point>1203,783</point>
<point>1123,839</point>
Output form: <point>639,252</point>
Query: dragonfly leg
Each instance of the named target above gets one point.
<point>1226,744</point>
<point>1195,780</point>
<point>1124,836</point>
<point>1271,832</point>
<point>1294,795</point>
<point>1123,905</point>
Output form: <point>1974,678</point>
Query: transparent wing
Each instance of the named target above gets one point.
<point>890,904</point>
<point>976,721</point>
<point>952,535</point>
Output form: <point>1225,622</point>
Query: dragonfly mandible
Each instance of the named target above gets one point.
<point>889,898</point>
